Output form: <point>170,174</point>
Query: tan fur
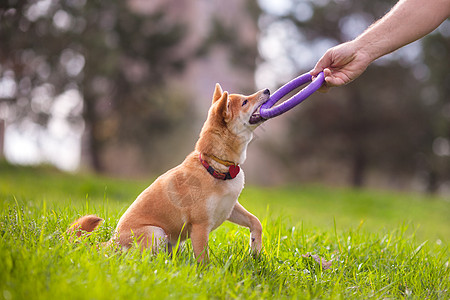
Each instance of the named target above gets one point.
<point>187,201</point>
<point>84,224</point>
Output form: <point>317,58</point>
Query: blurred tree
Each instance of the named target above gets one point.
<point>373,126</point>
<point>435,159</point>
<point>116,58</point>
<point>380,122</point>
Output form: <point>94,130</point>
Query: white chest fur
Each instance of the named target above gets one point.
<point>221,205</point>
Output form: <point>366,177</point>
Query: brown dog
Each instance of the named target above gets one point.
<point>197,196</point>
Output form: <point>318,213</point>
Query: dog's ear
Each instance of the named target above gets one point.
<point>223,107</point>
<point>217,93</point>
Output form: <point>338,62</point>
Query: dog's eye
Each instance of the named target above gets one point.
<point>245,102</point>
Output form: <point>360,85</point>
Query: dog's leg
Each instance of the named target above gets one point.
<point>241,216</point>
<point>152,237</point>
<point>199,237</point>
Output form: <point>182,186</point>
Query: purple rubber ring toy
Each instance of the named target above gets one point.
<point>267,111</point>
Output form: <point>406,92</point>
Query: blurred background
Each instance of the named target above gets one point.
<point>123,88</point>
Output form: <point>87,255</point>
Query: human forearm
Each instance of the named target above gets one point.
<point>408,21</point>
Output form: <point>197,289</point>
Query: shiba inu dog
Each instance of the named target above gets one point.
<point>202,192</point>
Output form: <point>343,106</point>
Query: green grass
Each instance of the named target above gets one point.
<point>382,244</point>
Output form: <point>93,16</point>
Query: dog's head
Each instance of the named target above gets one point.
<point>230,124</point>
<point>238,112</point>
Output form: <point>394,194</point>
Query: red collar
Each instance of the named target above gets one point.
<point>233,170</point>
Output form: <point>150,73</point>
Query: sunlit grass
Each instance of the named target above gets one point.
<point>382,245</point>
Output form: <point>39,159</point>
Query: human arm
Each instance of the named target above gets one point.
<point>407,21</point>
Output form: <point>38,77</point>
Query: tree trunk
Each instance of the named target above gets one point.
<point>357,134</point>
<point>2,138</point>
<point>92,129</point>
<point>432,184</point>
<point>359,167</point>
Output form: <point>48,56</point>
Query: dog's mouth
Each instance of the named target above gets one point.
<point>256,118</point>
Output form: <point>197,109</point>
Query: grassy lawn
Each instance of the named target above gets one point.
<point>381,244</point>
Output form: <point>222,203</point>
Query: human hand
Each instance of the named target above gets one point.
<point>341,65</point>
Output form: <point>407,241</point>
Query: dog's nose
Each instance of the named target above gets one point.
<point>266,91</point>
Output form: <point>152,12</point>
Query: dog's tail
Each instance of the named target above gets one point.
<point>84,224</point>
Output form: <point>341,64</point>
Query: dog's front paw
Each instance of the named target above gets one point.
<point>255,244</point>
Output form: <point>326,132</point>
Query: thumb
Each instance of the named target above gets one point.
<point>317,69</point>
<point>323,63</point>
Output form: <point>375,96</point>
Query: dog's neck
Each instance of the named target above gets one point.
<point>225,146</point>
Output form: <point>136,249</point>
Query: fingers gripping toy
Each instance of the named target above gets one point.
<point>268,111</point>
